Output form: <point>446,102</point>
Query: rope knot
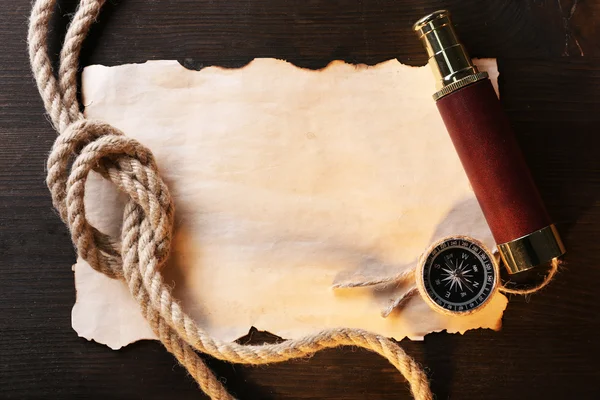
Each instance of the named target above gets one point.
<point>86,146</point>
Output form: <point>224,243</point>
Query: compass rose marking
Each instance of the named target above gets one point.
<point>457,275</point>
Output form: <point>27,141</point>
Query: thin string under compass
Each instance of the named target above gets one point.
<point>408,276</point>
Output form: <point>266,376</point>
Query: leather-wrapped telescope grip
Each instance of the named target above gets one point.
<point>492,160</point>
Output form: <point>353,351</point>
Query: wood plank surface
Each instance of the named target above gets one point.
<point>549,59</point>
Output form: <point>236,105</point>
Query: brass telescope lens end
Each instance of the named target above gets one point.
<point>448,58</point>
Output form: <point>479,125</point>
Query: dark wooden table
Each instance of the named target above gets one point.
<point>548,56</point>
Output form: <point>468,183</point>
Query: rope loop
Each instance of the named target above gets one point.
<point>97,146</point>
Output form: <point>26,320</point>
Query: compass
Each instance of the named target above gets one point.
<point>457,275</point>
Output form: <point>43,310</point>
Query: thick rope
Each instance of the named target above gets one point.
<point>83,146</point>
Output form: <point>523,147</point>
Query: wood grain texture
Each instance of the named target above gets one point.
<point>549,58</point>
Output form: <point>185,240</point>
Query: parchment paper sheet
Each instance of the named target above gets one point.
<point>285,181</point>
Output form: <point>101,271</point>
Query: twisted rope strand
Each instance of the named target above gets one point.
<point>132,217</point>
<point>37,38</point>
<point>86,14</point>
<point>554,265</point>
<point>148,221</point>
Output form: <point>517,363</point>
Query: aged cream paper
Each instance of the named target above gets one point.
<point>285,181</point>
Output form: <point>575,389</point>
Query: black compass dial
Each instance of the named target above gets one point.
<point>458,275</point>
